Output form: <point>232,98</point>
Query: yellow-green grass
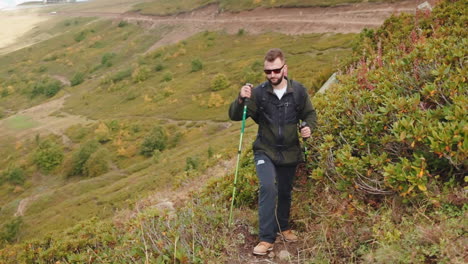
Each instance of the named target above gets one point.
<point>20,122</point>
<point>107,6</point>
<point>58,202</point>
<point>188,95</point>
<point>167,7</point>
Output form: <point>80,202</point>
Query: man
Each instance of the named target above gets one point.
<point>277,106</point>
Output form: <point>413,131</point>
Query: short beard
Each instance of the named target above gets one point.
<point>277,82</point>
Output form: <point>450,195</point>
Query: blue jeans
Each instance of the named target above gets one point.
<point>274,200</point>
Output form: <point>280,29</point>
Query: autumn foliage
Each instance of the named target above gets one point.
<point>397,120</point>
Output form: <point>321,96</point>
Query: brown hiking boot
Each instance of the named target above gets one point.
<point>262,248</point>
<point>289,236</point>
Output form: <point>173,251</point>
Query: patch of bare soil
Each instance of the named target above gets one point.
<point>14,24</point>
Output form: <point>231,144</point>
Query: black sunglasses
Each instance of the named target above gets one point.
<point>274,70</point>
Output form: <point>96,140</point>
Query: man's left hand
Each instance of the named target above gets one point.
<point>305,132</point>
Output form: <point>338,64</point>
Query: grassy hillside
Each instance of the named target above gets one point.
<point>102,72</point>
<point>165,82</point>
<point>167,7</point>
<point>384,182</point>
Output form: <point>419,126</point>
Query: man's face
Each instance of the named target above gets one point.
<point>275,71</point>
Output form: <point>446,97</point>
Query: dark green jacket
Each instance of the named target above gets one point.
<point>278,120</point>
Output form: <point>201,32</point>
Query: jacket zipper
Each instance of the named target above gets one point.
<point>281,123</point>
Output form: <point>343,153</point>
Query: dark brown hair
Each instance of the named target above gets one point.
<point>273,54</point>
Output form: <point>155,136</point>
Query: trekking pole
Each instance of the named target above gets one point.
<point>244,114</point>
<point>304,141</point>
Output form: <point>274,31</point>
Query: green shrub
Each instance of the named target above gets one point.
<point>77,132</point>
<point>175,139</point>
<point>210,152</point>
<point>81,156</point>
<point>70,247</point>
<point>47,87</point>
<point>97,163</point>
<point>80,36</point>
<point>191,163</point>
<point>113,125</point>
<point>250,76</point>
<point>10,230</point>
<point>141,74</point>
<point>197,65</point>
<point>77,78</point>
<point>155,140</point>
<point>247,185</point>
<point>106,59</point>
<point>4,92</point>
<point>122,23</point>
<point>13,175</point>
<point>102,133</point>
<point>167,77</point>
<point>121,75</point>
<point>159,67</point>
<point>48,155</point>
<point>219,82</point>
<point>396,122</point>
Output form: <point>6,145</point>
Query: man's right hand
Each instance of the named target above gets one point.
<point>245,92</point>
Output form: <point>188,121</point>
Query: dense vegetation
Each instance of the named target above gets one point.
<point>384,182</point>
<point>399,122</point>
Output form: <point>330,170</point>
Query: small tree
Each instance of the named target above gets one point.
<point>155,140</point>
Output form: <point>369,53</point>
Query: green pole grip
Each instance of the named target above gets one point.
<point>244,115</point>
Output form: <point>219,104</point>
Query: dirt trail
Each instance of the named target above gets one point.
<point>351,18</point>
<point>23,204</point>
